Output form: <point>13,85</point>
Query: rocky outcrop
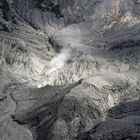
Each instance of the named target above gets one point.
<point>69,70</point>
<point>122,123</point>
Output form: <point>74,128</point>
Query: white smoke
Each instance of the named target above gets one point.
<point>60,60</point>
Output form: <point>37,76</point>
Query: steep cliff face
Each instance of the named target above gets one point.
<point>69,70</point>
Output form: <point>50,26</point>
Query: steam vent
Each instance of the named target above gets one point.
<point>69,69</point>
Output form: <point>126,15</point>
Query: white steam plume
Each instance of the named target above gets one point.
<point>60,60</point>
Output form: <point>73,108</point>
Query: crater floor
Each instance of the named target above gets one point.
<point>69,70</point>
